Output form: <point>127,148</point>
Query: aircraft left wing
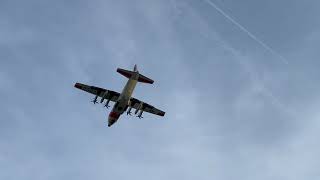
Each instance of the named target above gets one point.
<point>103,93</point>
<point>137,104</point>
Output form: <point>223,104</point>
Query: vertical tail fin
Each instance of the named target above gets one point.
<point>128,73</point>
<point>135,69</point>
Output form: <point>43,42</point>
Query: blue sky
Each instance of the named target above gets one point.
<point>234,109</point>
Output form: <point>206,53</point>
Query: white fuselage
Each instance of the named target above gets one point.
<point>124,99</point>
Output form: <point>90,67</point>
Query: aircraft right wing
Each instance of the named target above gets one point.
<point>103,93</point>
<point>140,105</point>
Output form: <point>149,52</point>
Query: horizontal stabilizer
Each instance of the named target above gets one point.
<point>145,79</point>
<point>129,74</point>
<point>125,73</point>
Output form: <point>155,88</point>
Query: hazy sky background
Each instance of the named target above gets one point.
<point>234,110</point>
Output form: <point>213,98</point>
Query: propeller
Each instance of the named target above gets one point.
<point>102,99</point>
<point>107,104</point>
<point>140,115</point>
<point>129,111</point>
<point>95,100</point>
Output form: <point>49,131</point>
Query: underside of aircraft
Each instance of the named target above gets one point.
<point>123,102</point>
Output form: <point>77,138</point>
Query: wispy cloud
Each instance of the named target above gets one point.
<point>223,121</point>
<point>251,35</point>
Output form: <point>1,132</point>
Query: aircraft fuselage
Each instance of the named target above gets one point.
<point>123,101</point>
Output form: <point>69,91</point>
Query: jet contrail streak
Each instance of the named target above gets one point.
<point>255,78</point>
<point>246,31</point>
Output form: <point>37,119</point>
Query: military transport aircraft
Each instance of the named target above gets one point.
<point>123,100</point>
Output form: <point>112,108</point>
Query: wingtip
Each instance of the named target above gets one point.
<point>162,113</point>
<point>77,85</point>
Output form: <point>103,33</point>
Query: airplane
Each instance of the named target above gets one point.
<point>123,100</point>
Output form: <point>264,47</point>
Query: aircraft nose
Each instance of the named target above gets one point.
<point>113,117</point>
<point>111,121</point>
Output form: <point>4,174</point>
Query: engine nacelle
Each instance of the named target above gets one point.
<point>139,108</point>
<point>129,111</point>
<point>104,96</point>
<point>95,100</point>
<point>140,114</point>
<point>107,104</point>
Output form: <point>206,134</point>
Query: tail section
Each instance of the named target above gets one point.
<point>125,73</point>
<point>129,74</point>
<point>135,69</point>
<point>145,79</point>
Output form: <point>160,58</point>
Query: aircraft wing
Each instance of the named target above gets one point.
<point>135,103</point>
<point>104,93</point>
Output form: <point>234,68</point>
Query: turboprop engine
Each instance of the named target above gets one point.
<point>140,114</point>
<point>95,100</point>
<point>129,111</point>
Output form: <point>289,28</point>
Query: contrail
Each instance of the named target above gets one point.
<point>246,31</point>
<point>255,78</point>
